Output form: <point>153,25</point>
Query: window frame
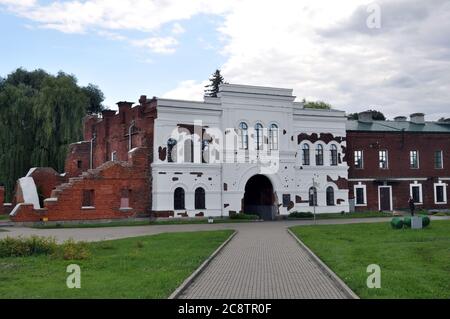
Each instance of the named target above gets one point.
<point>182,199</point>
<point>259,131</point>
<point>243,136</point>
<point>273,137</point>
<point>386,159</point>
<point>364,188</point>
<point>361,159</point>
<point>308,158</point>
<point>417,159</point>
<point>441,159</point>
<point>333,194</point>
<point>418,185</point>
<point>319,155</point>
<point>334,161</point>
<point>314,199</point>
<point>202,200</point>
<point>88,202</point>
<point>444,192</point>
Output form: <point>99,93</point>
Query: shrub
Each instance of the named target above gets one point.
<point>425,220</point>
<point>301,215</point>
<point>244,216</point>
<point>396,223</point>
<point>22,247</point>
<point>407,222</point>
<point>72,250</point>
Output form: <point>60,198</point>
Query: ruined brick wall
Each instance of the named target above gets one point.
<point>398,146</point>
<point>108,182</point>
<point>112,134</point>
<point>46,180</point>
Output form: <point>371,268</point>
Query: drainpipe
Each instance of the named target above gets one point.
<point>91,159</point>
<point>130,136</point>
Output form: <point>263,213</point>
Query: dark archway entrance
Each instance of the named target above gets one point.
<point>259,197</point>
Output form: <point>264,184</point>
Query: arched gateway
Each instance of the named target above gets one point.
<point>259,197</point>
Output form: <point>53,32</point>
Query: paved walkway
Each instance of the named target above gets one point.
<point>263,262</point>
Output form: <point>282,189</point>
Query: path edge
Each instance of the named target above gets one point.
<point>177,292</point>
<point>335,278</point>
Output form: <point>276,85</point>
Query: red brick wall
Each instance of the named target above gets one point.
<point>398,146</point>
<point>107,182</point>
<point>46,179</point>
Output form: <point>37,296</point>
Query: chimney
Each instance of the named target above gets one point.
<point>365,117</point>
<point>417,118</point>
<point>123,106</point>
<point>400,119</point>
<point>108,113</point>
<point>143,99</point>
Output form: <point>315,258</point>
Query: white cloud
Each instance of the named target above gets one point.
<point>187,90</point>
<point>322,49</point>
<point>163,45</point>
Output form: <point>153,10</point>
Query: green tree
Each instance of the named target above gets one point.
<point>213,88</point>
<point>316,105</point>
<point>376,115</point>
<point>40,115</point>
<point>96,99</point>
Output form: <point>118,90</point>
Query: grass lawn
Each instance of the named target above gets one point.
<point>121,223</point>
<point>414,263</point>
<point>4,217</point>
<point>141,267</point>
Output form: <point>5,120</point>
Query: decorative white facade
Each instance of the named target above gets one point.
<point>288,131</point>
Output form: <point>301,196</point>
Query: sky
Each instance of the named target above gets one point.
<point>390,55</point>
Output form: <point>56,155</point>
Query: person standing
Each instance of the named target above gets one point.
<point>412,206</point>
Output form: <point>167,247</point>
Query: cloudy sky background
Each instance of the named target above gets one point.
<point>168,48</point>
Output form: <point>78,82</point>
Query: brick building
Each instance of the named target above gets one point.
<point>391,161</point>
<point>251,149</point>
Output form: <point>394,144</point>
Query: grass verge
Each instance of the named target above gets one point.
<point>414,263</point>
<point>141,267</point>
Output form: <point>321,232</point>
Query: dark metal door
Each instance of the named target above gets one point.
<point>385,198</point>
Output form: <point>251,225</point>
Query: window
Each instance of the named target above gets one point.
<point>414,159</point>
<point>360,195</point>
<point>305,154</point>
<point>312,196</point>
<point>286,200</point>
<point>383,159</point>
<point>359,159</point>
<point>243,136</point>
<point>200,198</point>
<point>259,136</point>
<point>334,155</point>
<point>330,196</point>
<point>438,162</point>
<point>273,137</point>
<point>178,198</point>
<point>79,163</point>
<point>88,198</point>
<point>415,191</point>
<point>319,154</point>
<point>171,150</point>
<point>125,195</point>
<point>440,193</point>
<point>114,156</point>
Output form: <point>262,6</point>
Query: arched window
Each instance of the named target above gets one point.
<point>330,196</point>
<point>259,136</point>
<point>312,196</point>
<point>334,155</point>
<point>319,155</point>
<point>305,154</point>
<point>243,136</point>
<point>200,198</point>
<point>273,136</point>
<point>171,150</point>
<point>178,198</point>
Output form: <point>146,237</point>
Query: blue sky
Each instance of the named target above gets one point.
<point>324,50</point>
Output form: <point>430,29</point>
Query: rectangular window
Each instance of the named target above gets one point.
<point>88,198</point>
<point>125,198</point>
<point>383,159</point>
<point>79,163</point>
<point>440,193</point>
<point>438,162</point>
<point>114,156</point>
<point>416,193</point>
<point>286,200</point>
<point>414,159</point>
<point>360,195</point>
<point>358,159</point>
